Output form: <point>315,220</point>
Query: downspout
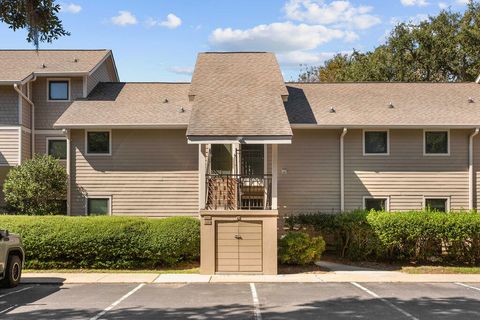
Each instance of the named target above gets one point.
<point>69,179</point>
<point>470,169</point>
<point>342,171</point>
<point>32,124</point>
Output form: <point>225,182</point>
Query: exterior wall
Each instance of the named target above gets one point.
<point>312,179</point>
<point>406,175</point>
<point>26,110</point>
<point>104,73</point>
<point>9,146</point>
<point>476,170</point>
<point>46,113</point>
<point>26,145</point>
<point>150,173</point>
<point>41,140</point>
<point>8,105</point>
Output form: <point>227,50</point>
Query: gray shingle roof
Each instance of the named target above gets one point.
<point>16,65</point>
<point>130,104</point>
<point>367,104</point>
<point>238,94</point>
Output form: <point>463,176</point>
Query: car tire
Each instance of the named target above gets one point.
<point>13,272</point>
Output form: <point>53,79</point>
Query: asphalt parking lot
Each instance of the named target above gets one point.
<point>243,301</point>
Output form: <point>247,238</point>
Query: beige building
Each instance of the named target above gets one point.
<point>238,146</point>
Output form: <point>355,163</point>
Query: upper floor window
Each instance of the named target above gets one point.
<point>375,142</point>
<point>58,90</point>
<point>57,148</point>
<point>436,142</point>
<point>98,142</point>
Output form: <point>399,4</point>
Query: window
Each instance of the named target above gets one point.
<point>58,90</point>
<point>98,142</point>
<point>436,143</point>
<point>378,204</point>
<point>437,204</point>
<point>375,142</point>
<point>98,206</point>
<point>57,148</point>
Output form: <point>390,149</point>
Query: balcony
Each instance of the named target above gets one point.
<point>238,192</point>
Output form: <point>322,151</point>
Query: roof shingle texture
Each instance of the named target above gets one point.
<point>16,65</point>
<point>238,94</point>
<point>130,104</point>
<point>367,104</point>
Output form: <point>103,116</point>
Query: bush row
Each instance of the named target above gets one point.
<point>414,236</point>
<point>106,242</point>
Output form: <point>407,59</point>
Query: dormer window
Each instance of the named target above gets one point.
<point>58,90</point>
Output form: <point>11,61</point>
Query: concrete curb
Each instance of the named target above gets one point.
<point>337,276</point>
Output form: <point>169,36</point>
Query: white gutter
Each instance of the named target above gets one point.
<point>32,124</point>
<point>470,169</point>
<point>69,206</point>
<point>342,171</point>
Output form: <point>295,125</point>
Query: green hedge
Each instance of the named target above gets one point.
<point>414,236</point>
<point>106,242</point>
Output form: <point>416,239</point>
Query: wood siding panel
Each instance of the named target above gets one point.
<point>312,181</point>
<point>150,173</point>
<point>406,175</point>
<point>104,73</point>
<point>9,146</point>
<point>26,146</point>
<point>46,113</point>
<point>8,106</point>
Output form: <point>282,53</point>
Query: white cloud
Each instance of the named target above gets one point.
<point>278,37</point>
<point>418,3</point>
<point>70,8</point>
<point>334,12</point>
<point>295,58</point>
<point>443,5</point>
<point>181,70</point>
<point>124,18</point>
<point>462,2</point>
<point>171,22</point>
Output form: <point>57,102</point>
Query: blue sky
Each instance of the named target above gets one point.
<point>158,40</point>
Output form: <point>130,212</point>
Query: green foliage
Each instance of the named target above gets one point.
<point>36,187</point>
<point>414,236</point>
<point>39,17</point>
<point>299,248</point>
<point>441,48</point>
<point>106,242</point>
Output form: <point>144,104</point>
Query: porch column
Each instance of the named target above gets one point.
<point>274,176</point>
<point>202,164</point>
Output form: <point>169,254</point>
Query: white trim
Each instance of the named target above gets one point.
<point>69,89</point>
<point>436,154</point>
<point>109,197</point>
<point>274,177</point>
<point>27,130</point>
<point>109,142</point>
<point>447,198</point>
<point>69,178</point>
<point>9,127</point>
<point>386,198</point>
<point>471,179</point>
<point>376,154</point>
<point>241,140</point>
<point>48,139</point>
<point>342,170</point>
<point>20,104</point>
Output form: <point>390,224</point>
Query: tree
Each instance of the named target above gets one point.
<point>39,17</point>
<point>36,187</point>
<point>442,48</point>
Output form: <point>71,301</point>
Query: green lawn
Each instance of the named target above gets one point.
<point>441,270</point>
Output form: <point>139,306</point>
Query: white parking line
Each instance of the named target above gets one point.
<point>16,291</point>
<point>373,294</point>
<point>466,286</point>
<point>256,303</point>
<point>8,309</point>
<point>113,305</point>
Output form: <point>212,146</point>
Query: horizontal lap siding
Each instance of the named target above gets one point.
<point>406,175</point>
<point>150,173</point>
<point>8,106</point>
<point>104,73</point>
<point>26,146</point>
<point>312,181</point>
<point>9,146</point>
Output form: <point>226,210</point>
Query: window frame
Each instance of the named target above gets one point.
<point>446,198</point>
<point>386,198</point>
<point>47,149</point>
<point>109,142</point>
<point>364,131</point>
<point>425,154</point>
<point>109,198</point>
<point>59,80</point>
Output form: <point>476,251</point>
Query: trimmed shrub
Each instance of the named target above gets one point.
<point>299,248</point>
<point>414,236</point>
<point>106,242</point>
<point>36,187</point>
